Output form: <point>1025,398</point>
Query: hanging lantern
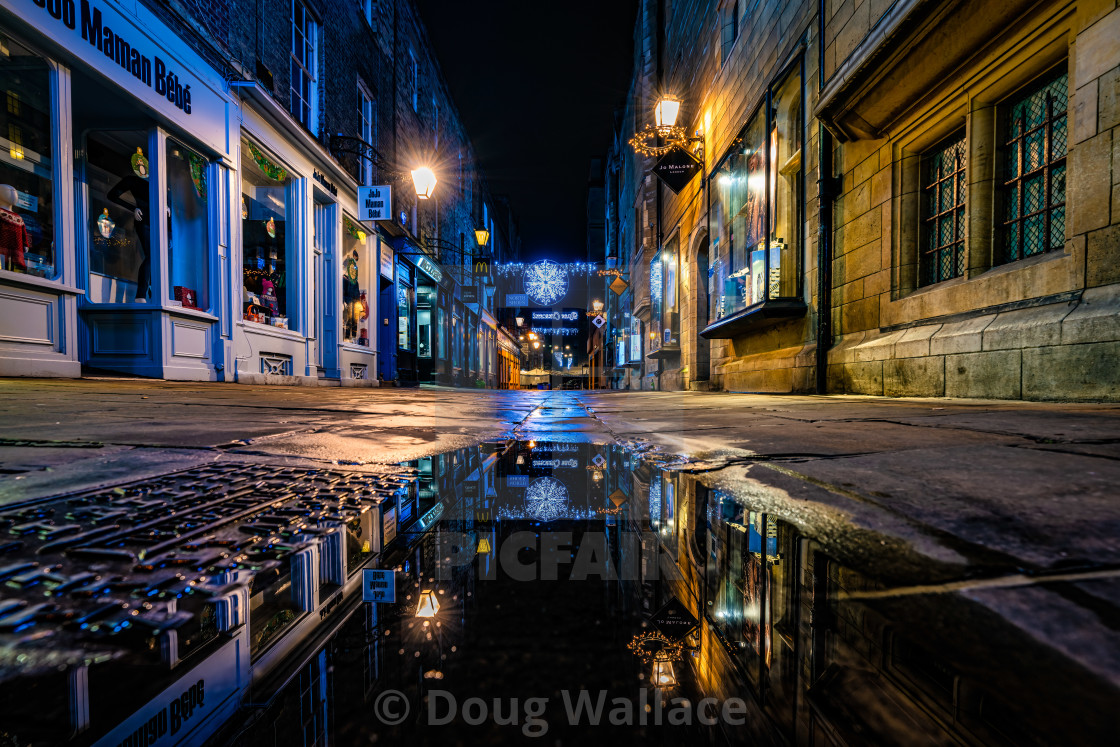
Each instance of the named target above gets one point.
<point>429,605</point>
<point>663,675</point>
<point>482,236</point>
<point>484,545</point>
<point>424,179</point>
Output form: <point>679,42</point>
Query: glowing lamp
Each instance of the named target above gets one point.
<point>424,179</point>
<point>482,236</point>
<point>483,545</point>
<point>665,112</point>
<point>597,305</point>
<point>663,675</point>
<point>429,605</point>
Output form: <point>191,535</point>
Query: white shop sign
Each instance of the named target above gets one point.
<point>375,203</point>
<point>182,713</point>
<point>132,51</point>
<point>388,527</point>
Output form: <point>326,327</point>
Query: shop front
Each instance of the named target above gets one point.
<point>113,171</point>
<point>304,266</point>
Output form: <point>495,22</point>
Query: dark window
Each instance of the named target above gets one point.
<point>944,174</point>
<point>303,65</point>
<point>729,28</point>
<point>1034,168</point>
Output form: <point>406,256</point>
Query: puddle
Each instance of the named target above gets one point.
<point>544,588</point>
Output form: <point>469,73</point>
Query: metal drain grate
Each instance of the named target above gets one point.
<point>117,567</point>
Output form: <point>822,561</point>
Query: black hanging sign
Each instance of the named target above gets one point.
<point>674,620</point>
<point>676,169</point>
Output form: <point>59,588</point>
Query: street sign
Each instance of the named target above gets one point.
<point>619,286</point>
<point>517,481</point>
<point>599,461</point>
<point>599,321</point>
<point>618,498</point>
<point>375,203</point>
<point>676,168</point>
<point>517,299</point>
<point>379,586</point>
<point>674,620</point>
<point>470,294</point>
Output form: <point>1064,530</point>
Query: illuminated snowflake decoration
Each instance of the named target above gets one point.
<point>546,282</point>
<point>546,499</point>
<point>655,499</point>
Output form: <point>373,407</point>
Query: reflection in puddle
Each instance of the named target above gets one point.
<point>533,582</point>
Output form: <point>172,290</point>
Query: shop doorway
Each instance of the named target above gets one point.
<point>326,273</point>
<point>426,332</point>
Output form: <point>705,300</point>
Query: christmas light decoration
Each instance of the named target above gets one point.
<point>546,282</point>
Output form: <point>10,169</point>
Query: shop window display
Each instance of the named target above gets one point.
<point>785,188</point>
<point>404,316</point>
<point>26,163</point>
<point>355,298</point>
<point>265,197</point>
<point>762,172</point>
<point>188,234</point>
<point>670,312</point>
<point>424,300</point>
<point>120,215</point>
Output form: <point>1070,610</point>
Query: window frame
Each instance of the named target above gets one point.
<point>367,128</point>
<point>1003,253</point>
<point>959,138</point>
<point>309,71</point>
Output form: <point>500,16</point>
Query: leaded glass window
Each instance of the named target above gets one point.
<point>1034,160</point>
<point>943,213</point>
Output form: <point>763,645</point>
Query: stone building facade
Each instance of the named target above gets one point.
<point>965,216</point>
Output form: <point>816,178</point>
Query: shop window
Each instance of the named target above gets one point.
<point>188,239</point>
<point>266,200</point>
<point>1034,171</point>
<point>739,196</point>
<point>355,272</point>
<point>272,604</point>
<point>944,174</point>
<point>304,105</point>
<point>670,293</point>
<point>119,210</point>
<point>785,192</point>
<point>26,164</point>
<point>404,317</point>
<point>656,295</point>
<point>635,338</point>
<point>756,217</point>
<point>441,335</point>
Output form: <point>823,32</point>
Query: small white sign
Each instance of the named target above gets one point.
<point>378,586</point>
<point>599,321</point>
<point>375,203</point>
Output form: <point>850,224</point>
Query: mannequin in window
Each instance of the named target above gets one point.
<point>14,239</point>
<point>138,188</point>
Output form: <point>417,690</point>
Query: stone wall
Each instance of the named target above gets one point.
<point>1044,327</point>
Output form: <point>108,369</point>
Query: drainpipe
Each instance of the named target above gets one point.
<point>659,73</point>
<point>827,187</point>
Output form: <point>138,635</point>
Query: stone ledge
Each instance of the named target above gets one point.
<point>1095,319</point>
<point>1026,328</point>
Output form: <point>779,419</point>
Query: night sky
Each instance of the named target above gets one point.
<point>537,84</point>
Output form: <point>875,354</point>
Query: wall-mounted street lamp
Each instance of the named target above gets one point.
<point>663,136</point>
<point>424,179</point>
<point>429,605</point>
<point>597,305</point>
<point>665,112</point>
<point>482,236</point>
